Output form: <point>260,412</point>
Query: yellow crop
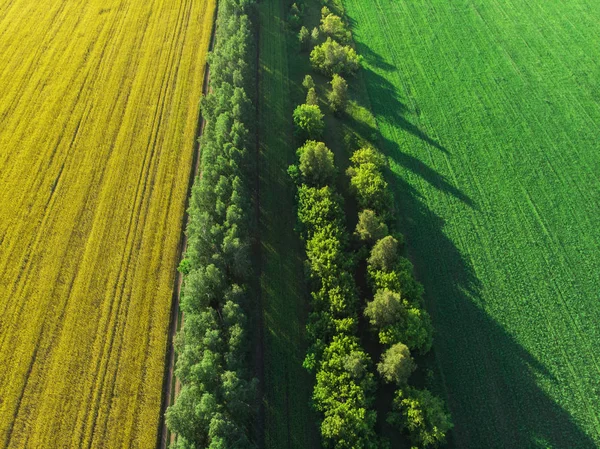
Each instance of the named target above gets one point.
<point>98,111</point>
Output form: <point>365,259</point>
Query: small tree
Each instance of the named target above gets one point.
<point>331,57</point>
<point>385,309</point>
<point>338,97</point>
<point>309,122</point>
<point>304,38</point>
<point>370,228</point>
<point>396,364</point>
<point>308,82</point>
<point>423,415</point>
<point>333,26</point>
<point>316,163</point>
<point>325,11</point>
<point>384,254</point>
<point>294,17</point>
<point>314,36</point>
<point>311,97</point>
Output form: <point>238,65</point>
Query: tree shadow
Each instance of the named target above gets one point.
<point>490,381</point>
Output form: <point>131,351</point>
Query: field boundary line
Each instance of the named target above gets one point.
<point>170,383</point>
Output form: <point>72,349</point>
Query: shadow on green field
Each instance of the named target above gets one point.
<point>488,378</point>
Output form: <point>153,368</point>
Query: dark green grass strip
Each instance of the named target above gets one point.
<point>489,113</point>
<point>289,421</point>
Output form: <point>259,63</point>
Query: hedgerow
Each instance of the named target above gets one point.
<point>396,312</point>
<point>215,406</point>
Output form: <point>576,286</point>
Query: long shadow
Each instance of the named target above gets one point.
<point>489,379</point>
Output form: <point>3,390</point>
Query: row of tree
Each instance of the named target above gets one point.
<point>216,405</point>
<point>396,312</point>
<point>345,383</point>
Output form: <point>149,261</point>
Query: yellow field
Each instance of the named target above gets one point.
<point>98,110</point>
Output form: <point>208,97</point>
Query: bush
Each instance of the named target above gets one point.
<point>384,254</point>
<point>308,82</point>
<point>316,163</point>
<point>367,182</point>
<point>396,365</point>
<point>338,97</point>
<point>311,97</point>
<point>331,57</point>
<point>333,26</point>
<point>370,228</point>
<point>304,38</point>
<point>309,122</point>
<point>423,415</point>
<point>385,309</point>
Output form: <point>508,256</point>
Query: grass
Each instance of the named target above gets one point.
<point>99,112</point>
<point>288,419</point>
<point>488,113</point>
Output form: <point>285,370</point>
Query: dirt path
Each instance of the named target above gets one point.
<point>171,385</point>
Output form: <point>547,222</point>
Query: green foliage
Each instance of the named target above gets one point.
<point>384,254</point>
<point>309,122</point>
<point>338,97</point>
<point>215,404</point>
<point>423,415</point>
<point>385,309</point>
<point>370,228</point>
<point>316,163</point>
<point>295,17</point>
<point>311,97</point>
<point>367,182</point>
<point>396,364</point>
<point>331,57</point>
<point>343,393</point>
<point>304,38</point>
<point>334,27</point>
<point>308,82</point>
<point>314,36</point>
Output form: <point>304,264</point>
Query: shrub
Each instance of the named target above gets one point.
<point>338,97</point>
<point>316,163</point>
<point>311,97</point>
<point>333,26</point>
<point>423,415</point>
<point>384,254</point>
<point>309,122</point>
<point>396,365</point>
<point>304,38</point>
<point>370,228</point>
<point>331,57</point>
<point>308,82</point>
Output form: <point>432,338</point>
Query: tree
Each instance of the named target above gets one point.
<point>333,26</point>
<point>338,97</point>
<point>396,364</point>
<point>331,57</point>
<point>308,82</point>
<point>314,36</point>
<point>423,415</point>
<point>304,38</point>
<point>316,163</point>
<point>311,97</point>
<point>385,309</point>
<point>370,228</point>
<point>384,254</point>
<point>294,17</point>
<point>309,122</point>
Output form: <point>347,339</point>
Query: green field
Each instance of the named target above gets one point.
<point>489,113</point>
<point>288,420</point>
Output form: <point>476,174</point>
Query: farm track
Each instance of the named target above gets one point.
<point>99,114</point>
<point>488,113</point>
